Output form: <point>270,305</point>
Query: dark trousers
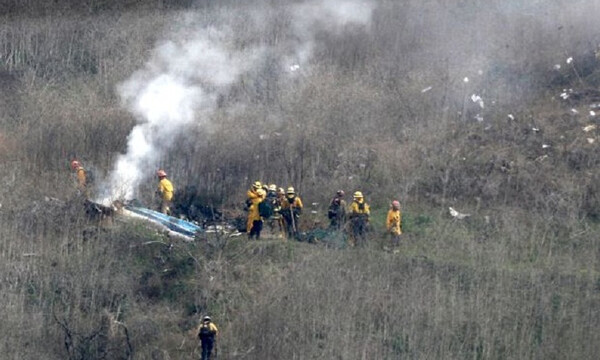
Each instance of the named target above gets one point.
<point>256,229</point>
<point>207,346</point>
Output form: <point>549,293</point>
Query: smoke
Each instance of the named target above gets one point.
<point>179,85</point>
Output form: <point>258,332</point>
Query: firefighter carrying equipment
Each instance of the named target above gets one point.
<point>291,208</point>
<point>207,333</point>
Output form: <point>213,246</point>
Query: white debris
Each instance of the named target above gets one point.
<point>570,60</point>
<point>574,111</point>
<point>591,140</point>
<point>262,136</point>
<point>541,158</point>
<point>557,67</point>
<point>314,212</point>
<point>466,80</point>
<point>564,96</point>
<point>480,72</point>
<point>477,99</point>
<point>315,204</point>
<point>426,89</point>
<point>277,133</point>
<point>511,116</point>
<point>479,118</point>
<point>545,146</point>
<point>592,113</point>
<point>535,129</point>
<point>457,214</point>
<point>594,106</point>
<point>294,67</point>
<point>589,128</point>
<point>362,165</point>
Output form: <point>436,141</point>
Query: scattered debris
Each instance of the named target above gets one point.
<point>236,234</point>
<point>592,113</point>
<point>466,80</point>
<point>557,67</point>
<point>574,111</point>
<point>457,214</point>
<point>426,89</point>
<point>594,106</point>
<point>535,129</point>
<point>589,128</point>
<point>511,116</point>
<point>591,140</point>
<point>541,158</point>
<point>479,118</point>
<point>315,204</point>
<point>545,146</point>
<point>294,67</point>
<point>314,212</point>
<point>570,60</point>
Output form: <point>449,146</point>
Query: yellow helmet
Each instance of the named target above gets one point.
<point>358,195</point>
<point>290,191</point>
<point>257,185</point>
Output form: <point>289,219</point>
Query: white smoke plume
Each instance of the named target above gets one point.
<point>180,84</point>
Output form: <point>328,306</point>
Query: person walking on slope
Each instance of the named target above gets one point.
<point>255,222</point>
<point>274,203</point>
<point>394,222</point>
<point>207,333</point>
<point>359,218</point>
<point>165,190</point>
<point>291,207</point>
<point>81,177</point>
<point>337,211</point>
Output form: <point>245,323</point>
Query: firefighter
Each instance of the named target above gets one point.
<point>359,218</point>
<point>81,177</point>
<point>255,222</point>
<point>291,207</point>
<point>207,333</point>
<point>274,202</point>
<point>337,211</point>
<point>394,222</point>
<point>165,190</point>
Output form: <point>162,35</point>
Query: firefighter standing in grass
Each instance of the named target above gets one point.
<point>291,207</point>
<point>394,222</point>
<point>255,222</point>
<point>165,190</point>
<point>359,218</point>
<point>81,177</point>
<point>337,211</point>
<point>274,202</point>
<point>207,333</point>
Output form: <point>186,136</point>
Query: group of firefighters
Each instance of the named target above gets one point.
<point>281,209</point>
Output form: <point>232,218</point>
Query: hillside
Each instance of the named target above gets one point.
<point>490,109</point>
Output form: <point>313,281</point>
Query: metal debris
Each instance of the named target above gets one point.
<point>457,215</point>
<point>535,129</point>
<point>592,113</point>
<point>479,118</point>
<point>589,128</point>
<point>294,67</point>
<point>426,89</point>
<point>541,158</point>
<point>570,60</point>
<point>557,67</point>
<point>545,146</point>
<point>591,140</point>
<point>574,111</point>
<point>466,80</point>
<point>477,99</point>
<point>511,116</point>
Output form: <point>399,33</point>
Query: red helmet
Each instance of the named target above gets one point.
<point>161,173</point>
<point>75,164</point>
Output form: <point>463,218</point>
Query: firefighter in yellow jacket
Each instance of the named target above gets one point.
<point>359,218</point>
<point>291,207</point>
<point>255,196</point>
<point>207,333</point>
<point>81,177</point>
<point>165,190</point>
<point>394,222</point>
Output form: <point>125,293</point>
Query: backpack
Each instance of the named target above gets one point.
<point>265,209</point>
